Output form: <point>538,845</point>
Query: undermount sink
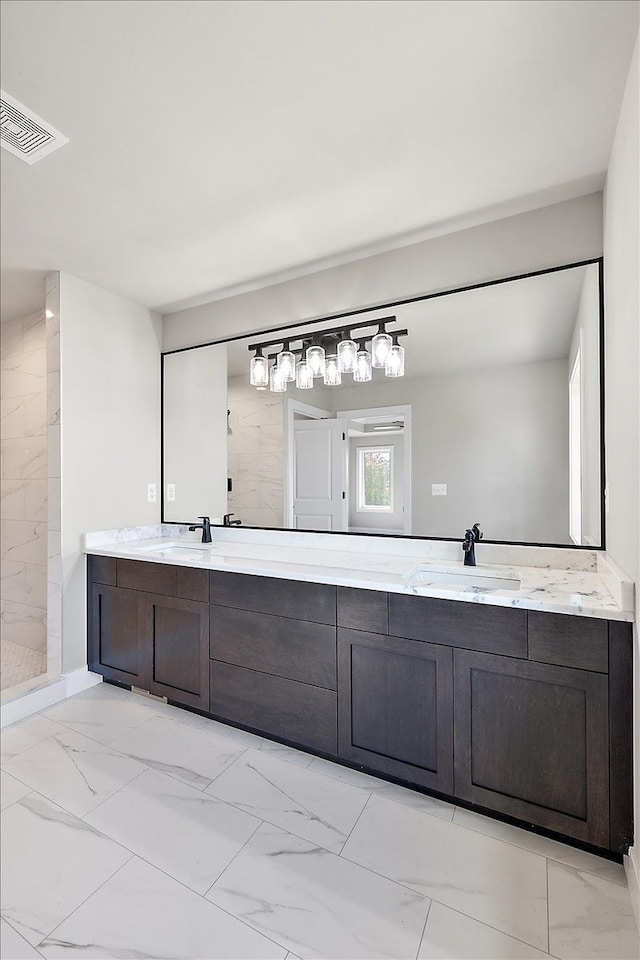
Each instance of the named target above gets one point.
<point>465,577</point>
<point>180,551</point>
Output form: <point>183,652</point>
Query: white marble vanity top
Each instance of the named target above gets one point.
<point>583,583</point>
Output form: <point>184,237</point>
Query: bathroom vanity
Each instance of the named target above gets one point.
<point>518,703</point>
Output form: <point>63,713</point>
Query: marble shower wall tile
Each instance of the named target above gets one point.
<point>24,541</point>
<point>24,457</point>
<point>24,624</point>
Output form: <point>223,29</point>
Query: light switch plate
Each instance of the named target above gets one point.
<point>151,493</point>
<point>171,492</point>
<point>438,489</point>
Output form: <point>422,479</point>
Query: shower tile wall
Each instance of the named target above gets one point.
<point>24,481</point>
<point>255,450</point>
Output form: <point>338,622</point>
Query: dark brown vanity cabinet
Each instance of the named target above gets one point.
<point>396,707</point>
<point>156,641</point>
<point>273,657</point>
<point>527,714</point>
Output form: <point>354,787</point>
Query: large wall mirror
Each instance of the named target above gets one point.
<point>497,420</point>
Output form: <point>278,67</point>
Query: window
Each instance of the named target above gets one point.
<point>375,479</point>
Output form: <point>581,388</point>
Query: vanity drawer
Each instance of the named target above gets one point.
<point>285,598</point>
<point>150,577</point>
<point>471,626</point>
<point>293,711</point>
<point>363,610</point>
<point>580,642</point>
<point>102,570</point>
<point>292,649</point>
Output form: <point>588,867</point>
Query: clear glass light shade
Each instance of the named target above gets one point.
<point>362,370</point>
<point>304,376</point>
<point>347,350</point>
<point>277,383</point>
<point>259,372</point>
<point>286,362</point>
<point>316,360</point>
<point>380,349</point>
<point>394,367</point>
<point>332,375</point>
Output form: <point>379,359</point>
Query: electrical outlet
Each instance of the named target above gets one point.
<point>171,491</point>
<point>438,489</point>
<point>151,493</point>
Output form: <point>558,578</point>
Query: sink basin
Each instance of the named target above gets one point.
<point>482,580</point>
<point>179,551</point>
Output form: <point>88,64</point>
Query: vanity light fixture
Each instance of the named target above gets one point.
<point>277,381</point>
<point>380,346</point>
<point>394,367</point>
<point>316,359</point>
<point>304,376</point>
<point>259,371</point>
<point>331,354</point>
<point>332,375</point>
<point>347,350</point>
<point>362,371</point>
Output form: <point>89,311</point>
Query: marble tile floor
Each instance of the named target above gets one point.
<point>132,829</point>
<point>18,664</point>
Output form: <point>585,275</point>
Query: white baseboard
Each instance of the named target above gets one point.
<point>633,882</point>
<point>46,695</point>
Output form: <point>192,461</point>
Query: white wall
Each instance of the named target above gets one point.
<point>622,317</point>
<point>561,233</point>
<point>110,416</point>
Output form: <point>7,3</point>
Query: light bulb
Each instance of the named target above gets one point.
<point>304,376</point>
<point>380,348</point>
<point>332,375</point>
<point>259,371</point>
<point>362,370</point>
<point>347,350</point>
<point>394,367</point>
<point>277,383</point>
<point>286,362</point>
<point>316,360</point>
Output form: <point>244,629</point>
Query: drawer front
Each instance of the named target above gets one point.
<point>285,598</point>
<point>580,642</point>
<point>102,570</point>
<point>294,649</point>
<point>363,610</point>
<point>192,584</point>
<point>147,576</point>
<point>472,626</point>
<point>297,712</point>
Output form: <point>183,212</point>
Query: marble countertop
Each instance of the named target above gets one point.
<point>588,586</point>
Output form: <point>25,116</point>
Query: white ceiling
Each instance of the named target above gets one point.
<point>215,145</point>
<point>525,321</point>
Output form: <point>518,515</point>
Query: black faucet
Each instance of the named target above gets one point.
<point>205,526</point>
<point>228,522</point>
<point>471,537</point>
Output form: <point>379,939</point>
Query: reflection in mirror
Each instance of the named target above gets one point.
<point>496,420</point>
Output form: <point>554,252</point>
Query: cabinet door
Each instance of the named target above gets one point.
<point>176,641</point>
<point>395,707</point>
<point>531,741</point>
<point>115,646</point>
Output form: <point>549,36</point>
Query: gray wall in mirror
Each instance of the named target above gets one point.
<point>487,382</point>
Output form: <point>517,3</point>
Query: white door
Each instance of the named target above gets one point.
<point>320,475</point>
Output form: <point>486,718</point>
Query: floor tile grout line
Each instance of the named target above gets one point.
<point>346,839</point>
<point>546,856</point>
<point>424,929</point>
<point>110,796</point>
<point>235,856</point>
<point>490,926</point>
<point>17,932</point>
<point>93,892</point>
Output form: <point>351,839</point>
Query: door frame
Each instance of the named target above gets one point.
<point>291,407</point>
<point>404,411</point>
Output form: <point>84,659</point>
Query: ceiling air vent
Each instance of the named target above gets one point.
<point>24,133</point>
